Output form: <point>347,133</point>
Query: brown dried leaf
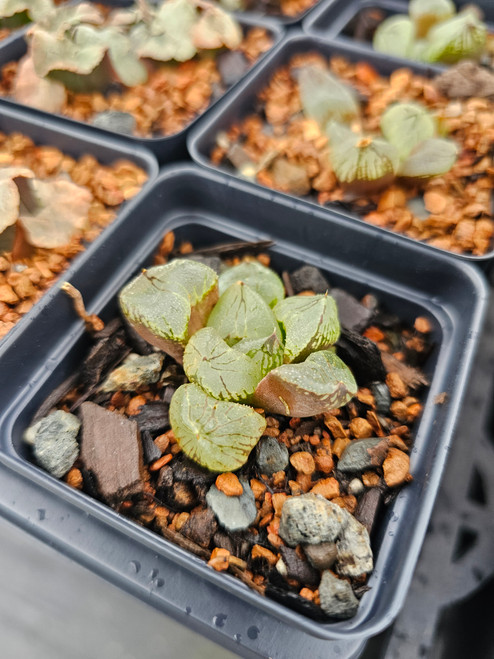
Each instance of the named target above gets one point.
<point>40,93</point>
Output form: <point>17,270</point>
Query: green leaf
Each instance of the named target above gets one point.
<point>35,9</point>
<point>427,13</point>
<point>456,39</point>
<point>262,280</point>
<point>364,162</point>
<point>266,353</point>
<point>394,36</point>
<point>338,133</point>
<point>223,372</point>
<point>241,313</point>
<point>215,434</point>
<point>405,125</point>
<point>167,304</point>
<point>125,62</point>
<point>432,157</point>
<point>324,97</point>
<point>309,322</point>
<point>321,383</point>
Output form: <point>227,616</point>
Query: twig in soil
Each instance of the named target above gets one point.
<point>235,249</point>
<point>92,322</point>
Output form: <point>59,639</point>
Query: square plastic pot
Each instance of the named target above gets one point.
<point>243,101</point>
<point>166,149</point>
<point>207,208</point>
<point>331,18</point>
<point>74,141</point>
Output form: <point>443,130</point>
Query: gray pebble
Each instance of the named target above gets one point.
<point>337,598</point>
<point>271,456</point>
<point>232,65</point>
<point>382,397</point>
<point>118,122</point>
<point>352,314</point>
<point>356,456</point>
<point>310,519</point>
<point>233,513</point>
<point>54,442</point>
<point>136,371</point>
<point>309,278</point>
<point>321,556</point>
<point>354,554</point>
<point>355,487</point>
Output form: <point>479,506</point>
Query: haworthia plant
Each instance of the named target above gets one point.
<point>432,157</point>
<point>324,97</point>
<point>241,313</point>
<point>215,434</point>
<point>405,125</point>
<point>309,323</point>
<point>34,9</point>
<point>266,353</point>
<point>320,383</point>
<point>167,304</point>
<point>261,279</point>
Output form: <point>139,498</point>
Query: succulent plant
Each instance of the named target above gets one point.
<point>433,32</point>
<point>239,352</point>
<point>48,212</point>
<point>14,13</point>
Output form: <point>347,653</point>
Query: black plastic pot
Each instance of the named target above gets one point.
<point>331,19</point>
<point>166,149</point>
<point>243,102</point>
<point>75,141</point>
<point>206,207</point>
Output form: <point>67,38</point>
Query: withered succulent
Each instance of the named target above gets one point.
<point>433,32</point>
<point>238,352</point>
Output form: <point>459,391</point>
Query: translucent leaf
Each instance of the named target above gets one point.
<point>324,97</point>
<point>62,18</point>
<point>407,124</point>
<point>126,64</point>
<point>309,322</point>
<point>167,304</point>
<point>261,279</point>
<point>265,353</point>
<point>241,313</point>
<point>215,434</point>
<point>426,13</point>
<point>337,132</point>
<point>394,36</point>
<point>215,28</point>
<point>363,162</point>
<point>456,39</point>
<point>321,383</point>
<point>41,93</point>
<point>51,212</point>
<point>223,372</point>
<point>432,157</point>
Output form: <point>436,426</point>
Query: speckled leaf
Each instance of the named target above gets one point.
<point>51,212</point>
<point>432,157</point>
<point>168,303</point>
<point>456,39</point>
<point>241,313</point>
<point>215,434</point>
<point>321,383</point>
<point>324,97</point>
<point>223,372</point>
<point>261,279</point>
<point>426,13</point>
<point>364,160</point>
<point>266,353</point>
<point>309,323</point>
<point>394,36</point>
<point>406,125</point>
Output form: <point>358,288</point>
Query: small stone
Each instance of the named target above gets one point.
<point>354,553</point>
<point>329,488</point>
<point>360,428</point>
<point>309,278</point>
<point>397,388</point>
<point>233,513</point>
<point>336,596</point>
<point>232,65</point>
<point>310,519</point>
<point>118,122</point>
<point>465,80</point>
<point>352,314</point>
<point>355,487</point>
<point>321,556</point>
<point>298,568</point>
<point>303,462</point>
<point>258,551</point>
<point>54,442</point>
<point>361,454</point>
<point>135,372</point>
<point>290,177</point>
<point>271,456</point>
<point>229,484</point>
<point>382,397</point>
<point>396,467</point>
